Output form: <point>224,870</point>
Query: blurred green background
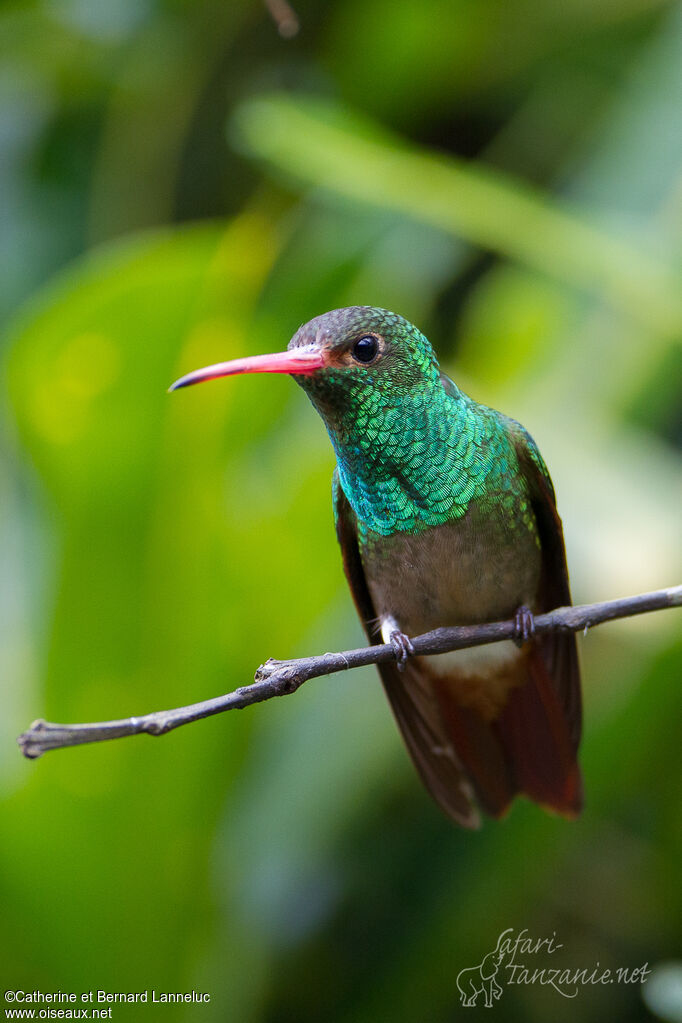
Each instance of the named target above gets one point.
<point>178,185</point>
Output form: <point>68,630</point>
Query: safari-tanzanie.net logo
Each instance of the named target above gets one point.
<point>519,959</point>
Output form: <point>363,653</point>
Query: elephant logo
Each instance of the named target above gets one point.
<point>481,979</point>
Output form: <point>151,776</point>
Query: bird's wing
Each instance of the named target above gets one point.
<point>559,650</point>
<point>410,693</point>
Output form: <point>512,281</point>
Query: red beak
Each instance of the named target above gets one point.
<point>299,361</point>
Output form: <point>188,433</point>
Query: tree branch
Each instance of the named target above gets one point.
<point>278,678</point>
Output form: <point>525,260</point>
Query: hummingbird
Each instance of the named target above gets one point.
<point>446,515</point>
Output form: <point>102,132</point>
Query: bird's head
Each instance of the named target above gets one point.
<point>349,361</point>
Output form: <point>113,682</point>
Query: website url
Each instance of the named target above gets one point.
<point>58,1013</point>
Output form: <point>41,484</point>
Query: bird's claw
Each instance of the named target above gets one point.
<point>403,648</point>
<point>524,625</point>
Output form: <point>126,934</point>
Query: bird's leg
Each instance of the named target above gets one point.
<point>524,625</point>
<point>401,643</point>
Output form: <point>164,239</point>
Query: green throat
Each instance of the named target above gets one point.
<point>410,459</point>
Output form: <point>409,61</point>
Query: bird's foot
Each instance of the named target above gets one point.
<point>403,647</point>
<point>524,625</point>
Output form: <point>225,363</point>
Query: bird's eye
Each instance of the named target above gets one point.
<point>365,349</point>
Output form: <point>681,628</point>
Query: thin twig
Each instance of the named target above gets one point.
<point>278,678</point>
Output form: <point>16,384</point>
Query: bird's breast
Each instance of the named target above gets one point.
<point>478,568</point>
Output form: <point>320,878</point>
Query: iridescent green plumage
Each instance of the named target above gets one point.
<point>413,450</point>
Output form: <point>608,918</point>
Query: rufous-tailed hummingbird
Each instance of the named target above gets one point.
<point>446,515</point>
